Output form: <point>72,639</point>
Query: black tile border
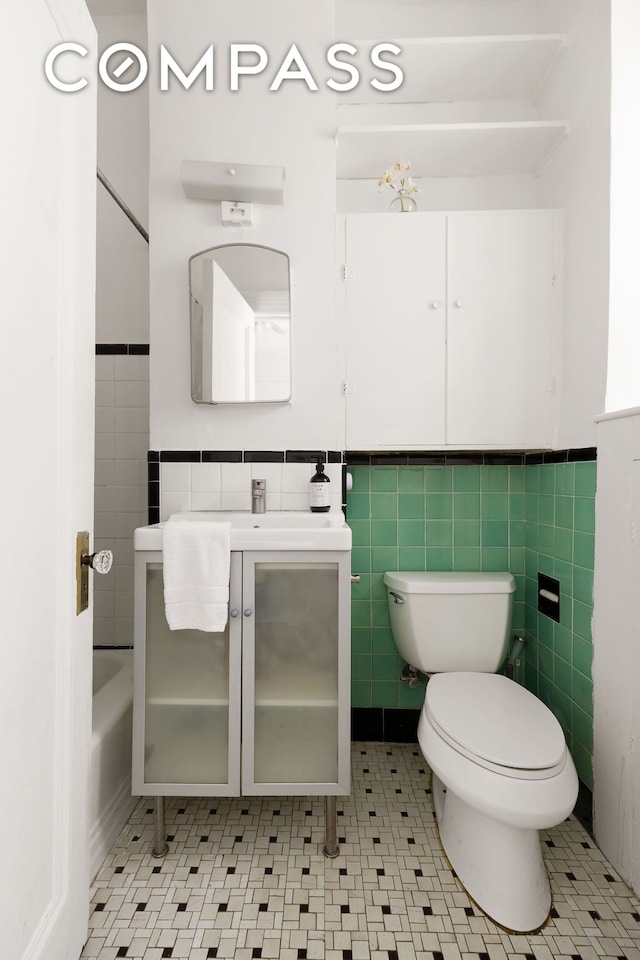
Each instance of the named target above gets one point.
<point>370,458</point>
<point>122,349</point>
<point>385,724</point>
<point>244,456</point>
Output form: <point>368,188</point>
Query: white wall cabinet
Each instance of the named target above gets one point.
<point>449,329</point>
<point>262,708</point>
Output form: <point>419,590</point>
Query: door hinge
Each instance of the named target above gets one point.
<point>347,273</point>
<point>348,388</point>
<point>554,280</point>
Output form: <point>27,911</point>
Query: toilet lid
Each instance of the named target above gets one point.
<point>496,720</point>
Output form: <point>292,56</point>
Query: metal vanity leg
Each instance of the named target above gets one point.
<point>160,845</point>
<point>331,848</point>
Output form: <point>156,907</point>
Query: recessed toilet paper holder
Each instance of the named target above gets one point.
<point>549,596</point>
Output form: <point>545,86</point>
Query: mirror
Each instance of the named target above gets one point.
<point>240,325</point>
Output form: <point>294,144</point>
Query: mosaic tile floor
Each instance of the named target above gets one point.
<point>245,878</point>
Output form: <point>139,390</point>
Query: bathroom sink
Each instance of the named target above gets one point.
<point>273,530</point>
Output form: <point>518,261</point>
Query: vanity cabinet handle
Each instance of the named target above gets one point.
<point>247,612</point>
<point>233,613</point>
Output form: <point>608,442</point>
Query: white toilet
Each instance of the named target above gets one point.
<point>501,768</point>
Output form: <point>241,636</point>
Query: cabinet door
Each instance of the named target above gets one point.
<point>187,696</point>
<point>296,664</point>
<point>501,303</point>
<point>395,330</point>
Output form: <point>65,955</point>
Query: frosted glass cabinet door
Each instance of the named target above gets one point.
<point>295,674</point>
<point>188,716</point>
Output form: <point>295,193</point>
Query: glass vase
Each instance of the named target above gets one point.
<point>403,203</point>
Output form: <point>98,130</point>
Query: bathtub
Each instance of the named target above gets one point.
<point>110,800</point>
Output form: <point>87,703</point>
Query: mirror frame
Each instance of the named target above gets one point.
<point>196,336</point>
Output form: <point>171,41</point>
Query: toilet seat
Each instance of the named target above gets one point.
<point>497,724</point>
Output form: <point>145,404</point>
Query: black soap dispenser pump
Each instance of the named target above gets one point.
<point>319,490</point>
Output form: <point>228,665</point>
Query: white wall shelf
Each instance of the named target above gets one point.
<point>441,69</point>
<point>448,149</point>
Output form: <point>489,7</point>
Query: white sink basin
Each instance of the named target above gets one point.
<point>273,530</point>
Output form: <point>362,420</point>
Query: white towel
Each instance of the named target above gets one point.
<point>196,564</point>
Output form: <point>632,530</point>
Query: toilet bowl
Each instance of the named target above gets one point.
<point>501,768</point>
<point>501,772</point>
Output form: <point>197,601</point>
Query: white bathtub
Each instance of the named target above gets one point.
<point>110,802</point>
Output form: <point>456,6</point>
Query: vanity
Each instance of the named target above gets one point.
<point>262,708</point>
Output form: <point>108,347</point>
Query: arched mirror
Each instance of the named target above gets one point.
<point>240,325</point>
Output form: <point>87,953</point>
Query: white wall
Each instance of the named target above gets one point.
<point>616,630</point>
<point>576,178</point>
<point>293,128</point>
<point>623,383</point>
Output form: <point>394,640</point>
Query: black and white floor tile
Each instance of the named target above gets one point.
<point>245,878</point>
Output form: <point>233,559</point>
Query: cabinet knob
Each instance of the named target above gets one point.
<point>247,612</point>
<point>233,613</point>
<point>458,303</point>
<point>435,304</point>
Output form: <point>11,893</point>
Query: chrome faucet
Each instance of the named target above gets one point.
<point>258,496</point>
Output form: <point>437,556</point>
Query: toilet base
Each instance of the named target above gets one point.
<point>500,866</point>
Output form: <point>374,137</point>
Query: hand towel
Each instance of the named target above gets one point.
<point>196,564</point>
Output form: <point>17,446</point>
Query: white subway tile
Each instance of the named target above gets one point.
<point>127,499</point>
<point>105,419</point>
<point>235,478</point>
<point>103,631</point>
<point>105,445</point>
<point>131,446</point>
<point>296,477</point>
<point>104,368</point>
<point>295,501</point>
<point>123,603</point>
<point>103,500</point>
<point>130,472</point>
<point>274,497</point>
<point>234,500</point>
<point>105,471</point>
<point>126,523</point>
<point>131,367</point>
<point>132,420</point>
<point>173,503</point>
<point>123,552</point>
<point>123,631</point>
<point>131,393</point>
<point>205,477</point>
<point>122,574</point>
<point>206,501</point>
<point>104,524</point>
<point>175,477</point>
<point>271,472</point>
<point>105,393</point>
<point>103,604</point>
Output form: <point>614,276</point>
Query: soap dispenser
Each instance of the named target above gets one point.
<point>319,490</point>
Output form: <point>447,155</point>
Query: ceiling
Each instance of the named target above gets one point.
<point>105,7</point>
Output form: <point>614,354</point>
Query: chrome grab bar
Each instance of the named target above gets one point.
<point>397,597</point>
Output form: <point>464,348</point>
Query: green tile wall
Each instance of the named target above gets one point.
<point>517,518</point>
<point>559,541</point>
<point>424,518</point>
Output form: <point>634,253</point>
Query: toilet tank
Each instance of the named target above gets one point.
<point>444,622</point>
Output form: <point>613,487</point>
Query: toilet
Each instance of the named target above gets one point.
<point>501,768</point>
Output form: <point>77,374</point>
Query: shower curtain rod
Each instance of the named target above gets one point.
<point>125,209</point>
